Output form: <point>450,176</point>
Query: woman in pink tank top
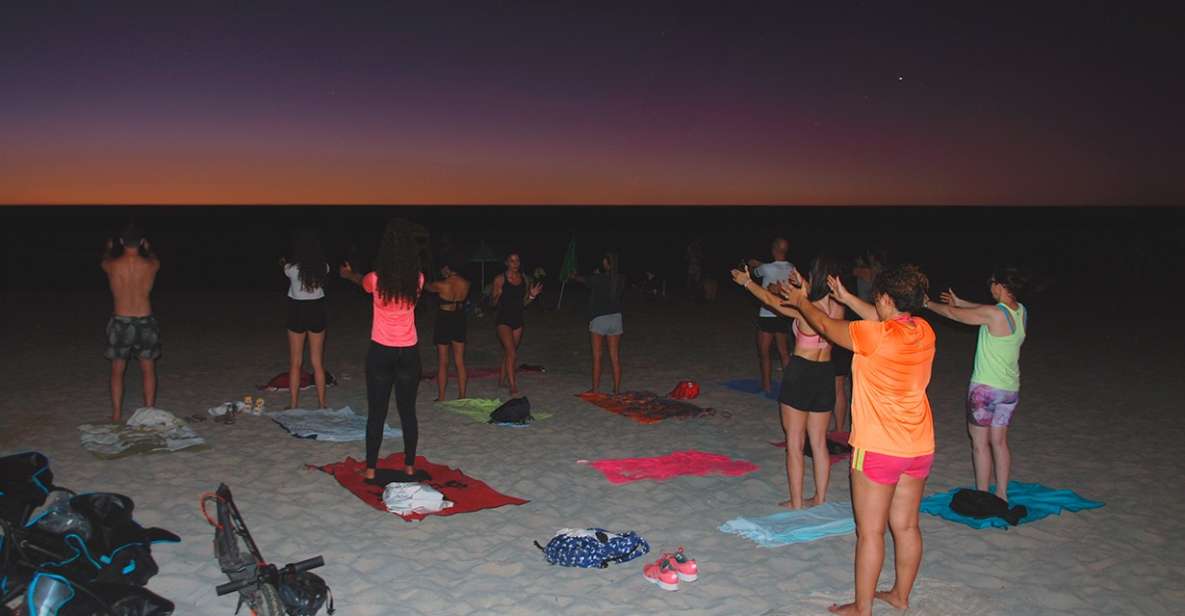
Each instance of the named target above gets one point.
<point>393,360</point>
<point>807,397</point>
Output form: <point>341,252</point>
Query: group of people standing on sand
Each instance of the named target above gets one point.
<point>891,356</point>
<point>396,285</point>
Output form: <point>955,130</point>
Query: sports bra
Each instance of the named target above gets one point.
<point>807,341</point>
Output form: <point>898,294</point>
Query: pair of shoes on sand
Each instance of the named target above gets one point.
<point>670,569</point>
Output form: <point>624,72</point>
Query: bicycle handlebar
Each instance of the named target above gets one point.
<point>297,567</point>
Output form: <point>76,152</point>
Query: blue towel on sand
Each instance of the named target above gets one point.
<point>327,425</point>
<point>753,386</point>
<point>1041,502</point>
<point>795,526</point>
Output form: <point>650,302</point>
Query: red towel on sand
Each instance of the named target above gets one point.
<point>645,407</point>
<point>625,470</point>
<point>836,437</point>
<point>468,494</point>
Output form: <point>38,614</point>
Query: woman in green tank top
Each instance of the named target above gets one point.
<point>995,380</point>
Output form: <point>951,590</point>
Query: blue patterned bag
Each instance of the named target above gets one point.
<point>592,548</point>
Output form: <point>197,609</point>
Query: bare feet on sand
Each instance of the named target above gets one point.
<point>892,598</point>
<point>848,609</point>
<point>806,504</point>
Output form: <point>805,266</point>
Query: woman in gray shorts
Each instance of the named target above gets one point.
<point>606,288</point>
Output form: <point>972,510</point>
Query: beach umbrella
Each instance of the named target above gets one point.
<point>567,269</point>
<point>483,255</point>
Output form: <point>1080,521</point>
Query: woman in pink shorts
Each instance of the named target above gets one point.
<point>892,426</point>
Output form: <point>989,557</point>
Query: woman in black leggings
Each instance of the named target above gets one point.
<point>392,360</point>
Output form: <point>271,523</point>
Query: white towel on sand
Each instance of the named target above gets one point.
<point>148,430</point>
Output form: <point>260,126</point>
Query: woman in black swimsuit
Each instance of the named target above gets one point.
<point>511,294</point>
<point>451,328</point>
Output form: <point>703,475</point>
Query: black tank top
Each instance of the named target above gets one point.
<point>510,304</point>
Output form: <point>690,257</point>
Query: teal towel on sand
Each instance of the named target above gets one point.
<point>1041,502</point>
<point>479,409</point>
<point>795,526</point>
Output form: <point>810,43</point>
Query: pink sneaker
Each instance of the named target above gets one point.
<point>684,567</point>
<point>662,573</point>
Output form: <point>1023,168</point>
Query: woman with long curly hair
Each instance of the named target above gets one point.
<point>511,293</point>
<point>892,425</point>
<point>306,269</point>
<point>392,360</point>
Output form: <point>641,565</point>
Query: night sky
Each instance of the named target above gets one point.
<point>540,103</point>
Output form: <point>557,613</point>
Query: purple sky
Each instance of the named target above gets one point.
<point>866,103</point>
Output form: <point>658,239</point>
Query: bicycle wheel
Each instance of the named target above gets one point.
<point>267,602</point>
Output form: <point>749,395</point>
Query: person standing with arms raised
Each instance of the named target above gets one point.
<point>773,328</point>
<point>133,331</point>
<point>892,424</point>
<point>307,271</point>
<point>392,359</point>
<point>994,391</point>
<point>451,329</point>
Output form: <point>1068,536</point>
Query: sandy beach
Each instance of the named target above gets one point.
<point>1098,415</point>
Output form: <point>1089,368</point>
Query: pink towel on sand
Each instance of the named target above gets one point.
<point>626,470</point>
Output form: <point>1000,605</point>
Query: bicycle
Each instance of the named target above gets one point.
<point>259,583</point>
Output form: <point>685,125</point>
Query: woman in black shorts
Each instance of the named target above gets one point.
<point>511,294</point>
<point>808,383</point>
<point>451,328</point>
<point>306,270</point>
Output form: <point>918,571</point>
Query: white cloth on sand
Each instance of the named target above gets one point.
<point>405,498</point>
<point>327,425</point>
<point>148,430</point>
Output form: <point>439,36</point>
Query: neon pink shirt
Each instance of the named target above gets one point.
<point>394,322</point>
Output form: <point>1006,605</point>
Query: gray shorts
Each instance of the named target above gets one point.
<point>133,338</point>
<point>607,325</point>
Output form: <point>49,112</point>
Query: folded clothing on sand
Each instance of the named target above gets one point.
<point>327,425</point>
<point>645,407</point>
<point>1040,501</point>
<point>405,498</point>
<point>699,463</point>
<point>797,526</point>
<point>466,493</point>
<point>148,430</point>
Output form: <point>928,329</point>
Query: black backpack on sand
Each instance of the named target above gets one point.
<point>977,504</point>
<point>514,410</point>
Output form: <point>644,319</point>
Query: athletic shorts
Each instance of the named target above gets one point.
<point>306,315</point>
<point>988,406</point>
<point>607,325</point>
<point>808,385</point>
<point>773,325</point>
<point>133,338</point>
<point>451,326</point>
<point>841,358</point>
<point>886,469</point>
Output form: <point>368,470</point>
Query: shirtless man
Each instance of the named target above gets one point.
<point>133,330</point>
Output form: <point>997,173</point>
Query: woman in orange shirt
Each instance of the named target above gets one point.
<point>892,426</point>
